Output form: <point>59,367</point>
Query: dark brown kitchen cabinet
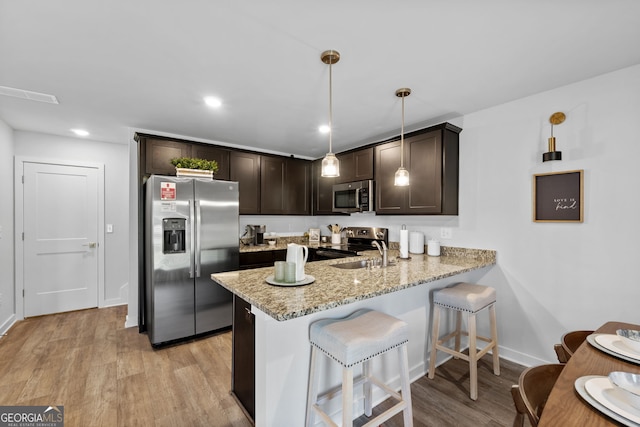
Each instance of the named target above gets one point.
<point>355,165</point>
<point>245,169</point>
<point>257,259</point>
<point>322,197</point>
<point>285,186</point>
<point>431,157</point>
<point>159,152</point>
<point>220,155</point>
<point>243,374</point>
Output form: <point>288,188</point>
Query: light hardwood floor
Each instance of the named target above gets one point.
<point>106,375</point>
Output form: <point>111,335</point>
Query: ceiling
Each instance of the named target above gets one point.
<point>145,65</point>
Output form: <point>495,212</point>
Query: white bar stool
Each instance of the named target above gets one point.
<point>470,298</point>
<point>350,341</point>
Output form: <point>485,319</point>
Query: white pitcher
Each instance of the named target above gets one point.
<point>298,254</point>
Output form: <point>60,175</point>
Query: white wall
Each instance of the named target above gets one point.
<point>554,277</point>
<point>115,158</point>
<point>7,293</point>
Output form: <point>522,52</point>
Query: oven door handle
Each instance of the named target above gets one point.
<point>332,255</point>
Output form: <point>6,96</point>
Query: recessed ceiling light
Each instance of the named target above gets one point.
<point>212,101</point>
<point>80,132</point>
<point>323,129</point>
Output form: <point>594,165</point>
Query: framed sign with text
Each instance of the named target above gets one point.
<point>558,196</point>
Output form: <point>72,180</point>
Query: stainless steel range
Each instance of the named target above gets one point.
<point>359,239</point>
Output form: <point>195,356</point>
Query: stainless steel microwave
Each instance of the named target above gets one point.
<point>353,197</point>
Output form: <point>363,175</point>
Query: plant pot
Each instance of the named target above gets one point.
<point>194,173</point>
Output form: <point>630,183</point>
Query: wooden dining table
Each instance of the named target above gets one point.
<point>565,407</point>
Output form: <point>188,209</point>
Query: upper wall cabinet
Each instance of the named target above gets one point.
<point>285,185</point>
<point>322,198</point>
<point>245,169</point>
<point>355,165</point>
<point>431,157</point>
<point>220,155</point>
<point>159,152</point>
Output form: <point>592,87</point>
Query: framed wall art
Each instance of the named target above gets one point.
<point>314,235</point>
<point>558,196</point>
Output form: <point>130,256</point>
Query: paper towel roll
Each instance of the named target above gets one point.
<point>404,243</point>
<point>416,242</point>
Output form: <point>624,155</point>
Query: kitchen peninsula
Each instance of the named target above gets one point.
<point>282,316</point>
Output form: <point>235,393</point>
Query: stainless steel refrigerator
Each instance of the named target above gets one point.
<point>191,231</point>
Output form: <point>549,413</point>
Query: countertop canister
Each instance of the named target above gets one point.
<point>416,242</point>
<point>433,247</point>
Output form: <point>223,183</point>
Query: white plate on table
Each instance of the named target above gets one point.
<point>598,391</point>
<point>613,345</point>
<point>307,280</point>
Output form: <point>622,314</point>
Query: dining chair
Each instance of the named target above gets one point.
<point>531,392</point>
<point>569,343</point>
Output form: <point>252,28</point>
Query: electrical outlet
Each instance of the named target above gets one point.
<point>446,233</point>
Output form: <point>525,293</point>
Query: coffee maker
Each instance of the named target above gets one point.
<point>256,234</point>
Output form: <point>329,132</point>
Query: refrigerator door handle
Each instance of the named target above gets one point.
<point>196,236</point>
<point>192,240</point>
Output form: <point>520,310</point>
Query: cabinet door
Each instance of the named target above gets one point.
<point>322,191</point>
<point>245,168</point>
<point>355,165</point>
<point>159,153</point>
<point>347,168</point>
<point>212,153</point>
<point>297,187</point>
<point>423,155</point>
<point>243,356</point>
<point>272,183</point>
<point>389,198</point>
<point>363,160</point>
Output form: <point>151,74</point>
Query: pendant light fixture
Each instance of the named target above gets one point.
<point>402,175</point>
<point>330,163</point>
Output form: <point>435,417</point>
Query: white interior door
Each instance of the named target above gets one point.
<point>60,224</point>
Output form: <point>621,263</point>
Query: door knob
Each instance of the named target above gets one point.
<point>91,245</point>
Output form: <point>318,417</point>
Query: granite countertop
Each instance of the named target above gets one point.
<point>334,286</point>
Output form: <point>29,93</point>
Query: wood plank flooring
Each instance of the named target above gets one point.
<point>106,375</point>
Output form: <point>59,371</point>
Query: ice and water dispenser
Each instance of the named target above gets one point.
<point>173,235</point>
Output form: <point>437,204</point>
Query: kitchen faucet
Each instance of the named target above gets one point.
<point>383,252</point>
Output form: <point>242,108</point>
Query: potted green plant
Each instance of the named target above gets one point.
<point>190,166</point>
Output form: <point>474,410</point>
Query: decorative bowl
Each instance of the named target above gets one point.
<point>630,337</point>
<point>630,383</point>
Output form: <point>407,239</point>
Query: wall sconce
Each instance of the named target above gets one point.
<point>552,154</point>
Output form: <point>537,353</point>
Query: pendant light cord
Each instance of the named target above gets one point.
<point>330,105</point>
<point>402,137</point>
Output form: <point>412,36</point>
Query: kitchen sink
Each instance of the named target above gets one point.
<point>351,265</point>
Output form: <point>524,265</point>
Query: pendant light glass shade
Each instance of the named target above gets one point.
<point>330,163</point>
<point>401,178</point>
<point>402,175</point>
